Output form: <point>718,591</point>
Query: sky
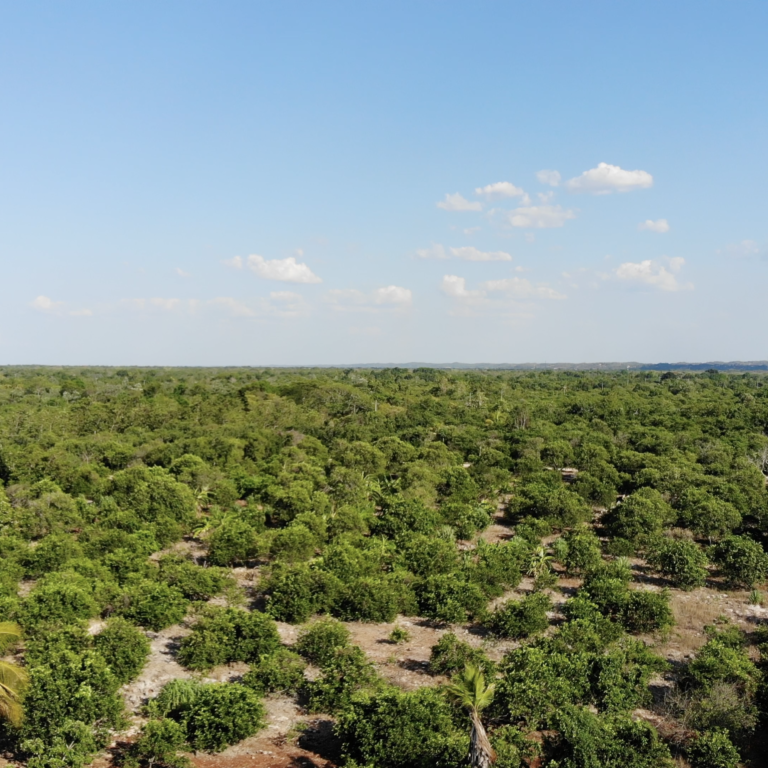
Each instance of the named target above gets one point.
<point>307,183</point>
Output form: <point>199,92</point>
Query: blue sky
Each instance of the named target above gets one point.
<point>200,183</point>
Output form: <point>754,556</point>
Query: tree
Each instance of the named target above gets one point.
<point>470,691</point>
<point>13,679</point>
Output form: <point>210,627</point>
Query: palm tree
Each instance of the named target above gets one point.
<point>470,691</point>
<point>13,679</point>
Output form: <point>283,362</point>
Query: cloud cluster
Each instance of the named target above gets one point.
<point>653,274</point>
<point>746,249</point>
<point>49,306</point>
<point>552,178</point>
<point>457,202</point>
<point>606,179</point>
<point>510,288</point>
<point>465,253</point>
<point>659,226</point>
<point>389,297</point>
<point>499,190</point>
<point>539,216</point>
<point>283,270</point>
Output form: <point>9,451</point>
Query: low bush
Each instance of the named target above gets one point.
<point>347,672</point>
<point>159,744</point>
<point>319,641</point>
<point>223,714</point>
<point>294,593</point>
<point>521,618</point>
<point>279,672</point>
<point>394,729</point>
<point>153,605</point>
<point>712,749</point>
<point>450,656</point>
<point>582,551</point>
<point>681,561</point>
<point>224,635</point>
<point>741,560</point>
<point>449,598</point>
<point>124,647</point>
<point>193,581</point>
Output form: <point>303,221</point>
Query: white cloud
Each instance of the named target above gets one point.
<point>660,225</point>
<point>44,304</point>
<point>521,288</point>
<point>167,304</point>
<point>393,294</point>
<point>457,202</point>
<point>470,253</point>
<point>236,262</point>
<point>746,249</point>
<point>182,273</point>
<point>387,297</point>
<point>549,177</point>
<point>653,274</point>
<point>498,190</point>
<point>80,313</point>
<point>435,251</point>
<point>456,287</point>
<point>285,270</point>
<point>607,178</point>
<point>540,216</point>
<point>235,307</point>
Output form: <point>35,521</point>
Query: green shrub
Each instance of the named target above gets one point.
<point>449,656</point>
<point>175,698</point>
<point>642,515</point>
<point>466,518</point>
<point>449,598</point>
<point>232,543</point>
<point>159,745</point>
<point>153,605</point>
<point>54,600</point>
<point>193,581</point>
<point>293,544</point>
<point>279,672</point>
<point>681,561</point>
<point>706,515</point>
<point>497,567</point>
<point>71,746</point>
<point>720,662</point>
<point>558,505</point>
<point>394,729</point>
<point>742,561</point>
<point>712,749</point>
<point>371,599</point>
<point>345,673</point>
<point>124,647</point>
<point>224,635</point>
<point>645,612</point>
<point>319,641</point>
<point>582,550</point>
<point>294,593</point>
<point>521,618</point>
<point>586,740</point>
<point>399,635</point>
<point>427,555</point>
<point>53,638</point>
<point>222,714</point>
<point>70,687</point>
<point>51,554</point>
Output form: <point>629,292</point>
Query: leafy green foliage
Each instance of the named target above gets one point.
<point>741,560</point>
<point>152,604</point>
<point>521,618</point>
<point>345,673</point>
<point>681,561</point>
<point>223,635</point>
<point>279,672</point>
<point>319,641</point>
<point>393,729</point>
<point>124,647</point>
<point>451,655</point>
<point>713,749</point>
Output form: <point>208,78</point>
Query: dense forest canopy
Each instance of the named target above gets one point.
<point>364,495</point>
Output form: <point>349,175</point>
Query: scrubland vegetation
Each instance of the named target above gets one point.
<point>558,514</point>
